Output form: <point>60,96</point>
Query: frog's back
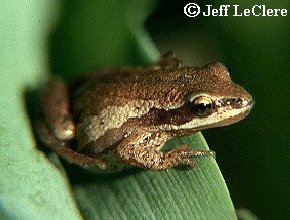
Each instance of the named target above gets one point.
<point>120,86</point>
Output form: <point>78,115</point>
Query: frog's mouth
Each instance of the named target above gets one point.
<point>226,104</point>
<point>230,114</point>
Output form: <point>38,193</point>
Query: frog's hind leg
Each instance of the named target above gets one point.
<point>57,129</point>
<point>63,149</point>
<point>55,109</point>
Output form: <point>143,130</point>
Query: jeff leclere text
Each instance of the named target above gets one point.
<point>255,10</point>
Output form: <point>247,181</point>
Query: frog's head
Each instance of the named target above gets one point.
<point>210,99</point>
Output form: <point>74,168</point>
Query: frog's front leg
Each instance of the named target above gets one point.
<point>141,150</point>
<point>57,128</point>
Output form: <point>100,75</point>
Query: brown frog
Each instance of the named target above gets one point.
<point>129,113</point>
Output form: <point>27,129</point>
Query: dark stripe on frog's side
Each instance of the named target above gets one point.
<point>147,122</point>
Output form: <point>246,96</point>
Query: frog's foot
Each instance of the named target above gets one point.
<point>199,153</point>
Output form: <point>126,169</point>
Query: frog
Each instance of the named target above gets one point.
<point>125,115</point>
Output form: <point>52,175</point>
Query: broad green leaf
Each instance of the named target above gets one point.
<point>199,193</point>
<point>31,187</point>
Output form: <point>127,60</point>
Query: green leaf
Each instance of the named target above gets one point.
<point>30,186</point>
<point>199,193</point>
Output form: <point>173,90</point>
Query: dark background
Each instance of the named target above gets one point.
<point>254,154</point>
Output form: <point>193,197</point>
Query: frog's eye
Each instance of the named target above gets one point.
<point>201,105</point>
